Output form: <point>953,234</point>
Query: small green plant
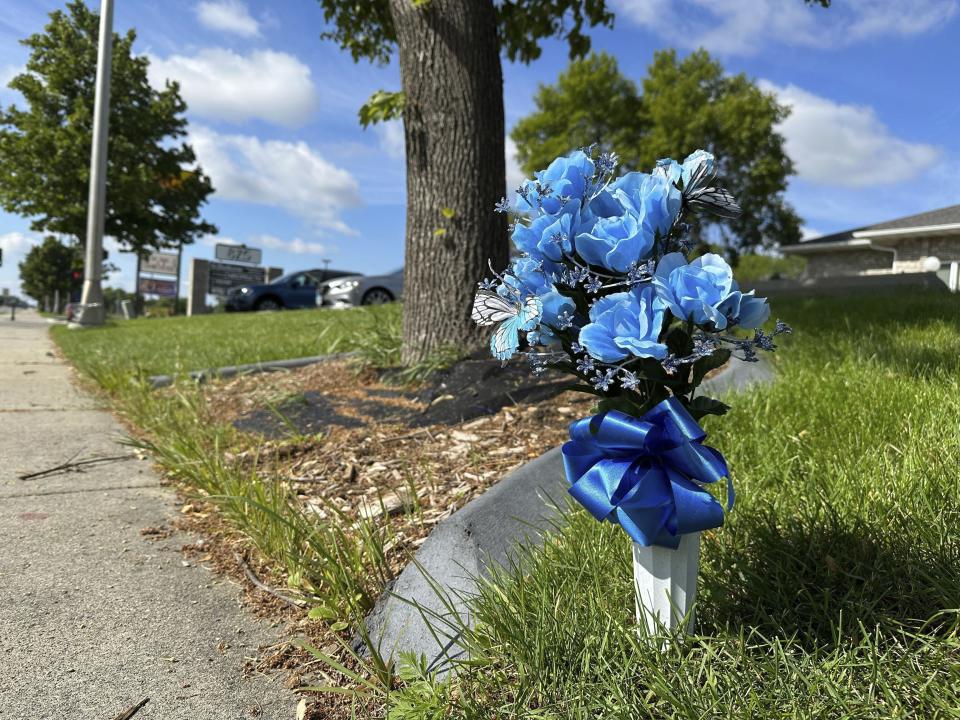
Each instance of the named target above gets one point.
<point>758,268</point>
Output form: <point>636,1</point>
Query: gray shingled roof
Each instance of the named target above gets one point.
<point>943,216</point>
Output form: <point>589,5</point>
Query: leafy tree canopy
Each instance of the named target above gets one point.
<point>365,29</point>
<point>154,192</point>
<point>50,267</point>
<point>685,104</point>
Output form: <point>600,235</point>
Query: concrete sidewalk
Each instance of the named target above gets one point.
<point>94,617</point>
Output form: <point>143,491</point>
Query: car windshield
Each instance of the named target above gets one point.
<point>317,275</point>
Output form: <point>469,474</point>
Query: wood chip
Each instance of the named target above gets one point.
<point>460,436</point>
<point>391,503</point>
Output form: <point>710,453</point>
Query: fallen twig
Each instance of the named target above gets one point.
<point>308,480</point>
<point>70,465</point>
<point>415,433</point>
<point>132,710</point>
<point>251,576</point>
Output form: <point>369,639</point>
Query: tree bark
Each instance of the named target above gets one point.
<point>454,130</point>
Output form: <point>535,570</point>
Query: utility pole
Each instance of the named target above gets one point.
<point>91,302</point>
<point>176,294</point>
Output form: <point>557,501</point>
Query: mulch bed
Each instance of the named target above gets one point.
<point>365,447</point>
<point>355,441</point>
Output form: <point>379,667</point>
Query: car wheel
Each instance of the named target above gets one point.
<point>376,296</point>
<point>268,304</point>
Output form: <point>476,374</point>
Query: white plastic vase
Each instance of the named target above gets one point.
<point>665,581</point>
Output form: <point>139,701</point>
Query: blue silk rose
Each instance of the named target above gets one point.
<point>567,177</point>
<point>706,291</point>
<point>626,220</point>
<point>745,310</point>
<point>614,243</point>
<point>625,324</point>
<point>696,290</point>
<point>548,237</point>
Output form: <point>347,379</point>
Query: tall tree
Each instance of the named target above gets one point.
<point>452,109</point>
<point>154,190</point>
<point>50,267</point>
<point>685,104</point>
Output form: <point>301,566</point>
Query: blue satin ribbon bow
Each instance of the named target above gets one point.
<point>646,473</point>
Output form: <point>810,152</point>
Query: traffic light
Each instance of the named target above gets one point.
<point>76,275</point>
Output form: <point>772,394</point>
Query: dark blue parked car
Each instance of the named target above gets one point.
<point>296,290</point>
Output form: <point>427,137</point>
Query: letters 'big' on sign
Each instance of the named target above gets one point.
<point>238,253</point>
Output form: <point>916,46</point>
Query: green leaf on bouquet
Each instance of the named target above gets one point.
<point>623,403</point>
<point>679,342</point>
<point>704,405</point>
<point>589,389</point>
<point>705,364</point>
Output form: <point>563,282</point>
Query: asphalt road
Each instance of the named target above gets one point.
<point>94,617</point>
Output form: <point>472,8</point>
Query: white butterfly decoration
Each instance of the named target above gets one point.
<point>716,200</point>
<point>514,317</point>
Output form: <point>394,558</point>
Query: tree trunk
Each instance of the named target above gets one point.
<point>453,126</point>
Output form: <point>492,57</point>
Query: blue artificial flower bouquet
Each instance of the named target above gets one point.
<point>602,289</point>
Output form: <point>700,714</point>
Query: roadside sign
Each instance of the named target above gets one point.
<point>224,276</point>
<point>160,263</point>
<point>238,253</point>
<point>153,286</point>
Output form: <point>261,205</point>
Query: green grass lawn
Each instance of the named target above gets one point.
<point>832,591</point>
<point>156,346</point>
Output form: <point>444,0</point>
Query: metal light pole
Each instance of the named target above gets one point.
<point>91,302</point>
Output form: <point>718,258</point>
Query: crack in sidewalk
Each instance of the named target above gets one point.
<point>75,491</point>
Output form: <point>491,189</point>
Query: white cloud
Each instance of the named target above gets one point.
<point>231,16</point>
<point>225,85</point>
<point>289,175</point>
<point>15,244</point>
<point>9,72</point>
<point>295,246</point>
<point>214,240</point>
<point>838,144</point>
<point>515,175</point>
<point>742,27</point>
<point>391,139</point>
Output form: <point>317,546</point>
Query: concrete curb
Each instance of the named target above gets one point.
<point>200,376</point>
<point>484,532</point>
<point>460,549</point>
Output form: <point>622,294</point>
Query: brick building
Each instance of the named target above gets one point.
<point>911,244</point>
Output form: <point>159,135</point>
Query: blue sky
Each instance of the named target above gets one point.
<point>273,112</point>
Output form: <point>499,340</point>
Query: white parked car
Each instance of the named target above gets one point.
<point>357,290</point>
